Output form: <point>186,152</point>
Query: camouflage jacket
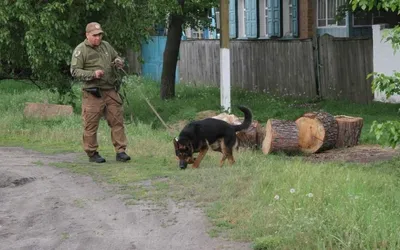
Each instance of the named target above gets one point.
<point>87,59</point>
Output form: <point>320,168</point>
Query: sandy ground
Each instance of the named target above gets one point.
<point>43,207</point>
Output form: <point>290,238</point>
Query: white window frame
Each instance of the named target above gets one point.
<point>263,24</point>
<point>286,20</point>
<point>244,18</point>
<point>241,19</point>
<point>336,25</point>
<point>266,17</point>
<point>291,17</point>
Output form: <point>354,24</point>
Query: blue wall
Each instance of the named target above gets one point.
<point>152,54</point>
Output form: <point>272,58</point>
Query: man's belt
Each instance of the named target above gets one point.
<point>94,91</point>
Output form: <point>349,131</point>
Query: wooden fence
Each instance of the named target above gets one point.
<point>337,70</point>
<point>343,67</point>
<point>275,67</point>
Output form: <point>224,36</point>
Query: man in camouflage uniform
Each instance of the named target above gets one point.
<point>92,62</point>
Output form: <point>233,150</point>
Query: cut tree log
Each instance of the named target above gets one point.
<point>46,110</point>
<point>349,130</point>
<point>318,131</point>
<point>249,138</point>
<point>280,136</point>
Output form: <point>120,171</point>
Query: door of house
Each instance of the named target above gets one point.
<point>152,55</point>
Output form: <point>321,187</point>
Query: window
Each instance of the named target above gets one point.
<point>326,13</point>
<point>197,33</point>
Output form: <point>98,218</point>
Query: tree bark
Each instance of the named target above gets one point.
<point>171,53</point>
<point>349,130</point>
<point>250,137</point>
<point>280,136</point>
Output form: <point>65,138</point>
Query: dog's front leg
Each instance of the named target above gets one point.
<point>202,153</point>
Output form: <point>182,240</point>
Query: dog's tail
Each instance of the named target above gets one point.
<point>248,118</point>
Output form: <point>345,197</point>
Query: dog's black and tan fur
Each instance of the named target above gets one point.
<point>198,136</point>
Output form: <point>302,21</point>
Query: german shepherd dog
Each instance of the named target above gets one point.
<point>198,136</point>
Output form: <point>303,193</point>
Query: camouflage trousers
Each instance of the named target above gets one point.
<point>93,108</point>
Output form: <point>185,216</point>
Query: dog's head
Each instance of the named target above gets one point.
<point>184,152</point>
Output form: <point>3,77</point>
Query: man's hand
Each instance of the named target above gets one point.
<point>119,63</point>
<point>98,74</point>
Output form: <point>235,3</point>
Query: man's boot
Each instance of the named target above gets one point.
<point>122,157</point>
<point>96,158</point>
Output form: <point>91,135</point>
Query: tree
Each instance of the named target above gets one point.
<point>179,13</point>
<point>171,52</point>
<point>37,37</point>
<point>389,131</point>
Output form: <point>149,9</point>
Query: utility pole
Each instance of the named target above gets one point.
<point>225,64</point>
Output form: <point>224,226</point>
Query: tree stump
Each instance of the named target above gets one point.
<point>280,136</point>
<point>251,137</point>
<point>349,130</point>
<point>318,131</point>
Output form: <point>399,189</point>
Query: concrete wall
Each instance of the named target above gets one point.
<point>385,60</point>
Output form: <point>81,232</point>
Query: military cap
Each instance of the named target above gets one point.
<point>93,28</point>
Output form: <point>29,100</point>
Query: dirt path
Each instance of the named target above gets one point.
<point>42,207</point>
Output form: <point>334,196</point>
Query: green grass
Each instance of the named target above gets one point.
<point>274,201</point>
